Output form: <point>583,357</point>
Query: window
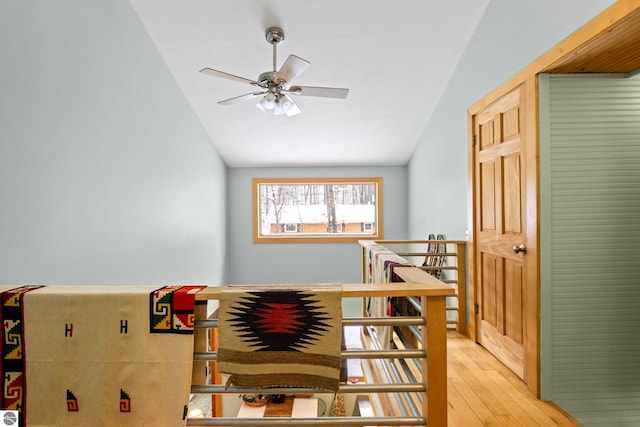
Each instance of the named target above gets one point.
<point>317,209</point>
<point>290,228</point>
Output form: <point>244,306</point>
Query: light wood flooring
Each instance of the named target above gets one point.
<point>483,392</point>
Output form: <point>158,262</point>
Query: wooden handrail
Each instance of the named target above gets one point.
<point>423,287</point>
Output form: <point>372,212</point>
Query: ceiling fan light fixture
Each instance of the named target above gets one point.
<point>268,102</point>
<point>283,104</point>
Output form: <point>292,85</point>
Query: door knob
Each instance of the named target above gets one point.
<point>518,249</point>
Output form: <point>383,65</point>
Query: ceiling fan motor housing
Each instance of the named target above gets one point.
<point>267,78</point>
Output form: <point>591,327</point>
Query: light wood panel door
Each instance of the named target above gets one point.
<point>500,229</point>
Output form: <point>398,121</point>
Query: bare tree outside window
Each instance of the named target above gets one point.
<point>317,209</point>
<point>332,221</point>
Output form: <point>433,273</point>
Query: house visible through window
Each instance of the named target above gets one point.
<point>317,209</point>
<point>290,228</point>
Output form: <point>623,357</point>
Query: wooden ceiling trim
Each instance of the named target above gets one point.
<point>616,50</point>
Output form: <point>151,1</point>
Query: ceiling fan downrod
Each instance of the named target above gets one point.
<point>274,36</point>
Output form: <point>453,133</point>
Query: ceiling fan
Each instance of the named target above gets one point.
<point>275,86</point>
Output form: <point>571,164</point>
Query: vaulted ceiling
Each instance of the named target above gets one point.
<point>395,58</point>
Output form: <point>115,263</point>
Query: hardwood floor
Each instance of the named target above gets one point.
<point>483,392</point>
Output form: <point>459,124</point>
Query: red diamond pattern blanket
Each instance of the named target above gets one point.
<point>281,336</point>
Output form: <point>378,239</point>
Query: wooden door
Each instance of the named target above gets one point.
<point>500,229</point>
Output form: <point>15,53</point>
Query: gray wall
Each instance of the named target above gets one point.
<point>590,246</point>
<point>106,175</point>
<point>510,35</point>
<point>304,262</point>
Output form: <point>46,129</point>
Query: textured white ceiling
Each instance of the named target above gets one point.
<point>396,58</point>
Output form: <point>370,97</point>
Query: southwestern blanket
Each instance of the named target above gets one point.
<point>279,336</point>
<point>380,262</point>
<point>97,355</point>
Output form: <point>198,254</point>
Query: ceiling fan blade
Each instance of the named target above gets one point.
<point>241,98</point>
<point>216,73</point>
<point>292,68</point>
<point>325,92</point>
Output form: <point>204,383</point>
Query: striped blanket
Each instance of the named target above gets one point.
<point>281,336</point>
<point>380,263</point>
